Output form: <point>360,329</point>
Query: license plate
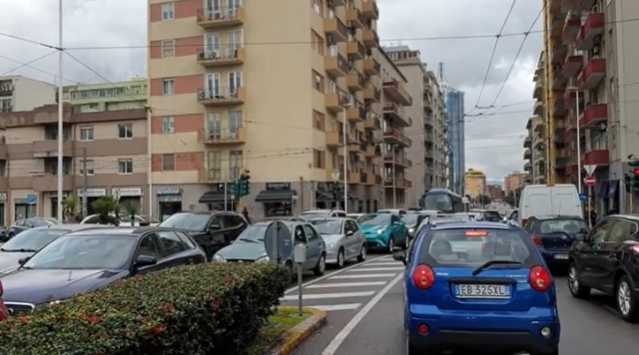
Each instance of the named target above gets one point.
<point>561,256</point>
<point>482,291</point>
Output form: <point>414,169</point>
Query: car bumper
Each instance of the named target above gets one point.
<point>555,257</point>
<point>376,242</point>
<point>516,331</point>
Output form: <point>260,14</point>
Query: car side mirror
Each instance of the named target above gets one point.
<point>350,233</point>
<point>23,261</point>
<point>399,254</point>
<point>145,260</point>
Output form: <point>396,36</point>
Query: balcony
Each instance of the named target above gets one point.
<point>356,113</point>
<point>396,91</point>
<point>49,149</point>
<point>527,142</point>
<point>221,58</point>
<point>49,182</point>
<point>225,137</point>
<point>539,90</point>
<point>399,183</point>
<point>355,49</point>
<point>335,101</point>
<point>572,65</point>
<point>371,66</point>
<point>219,18</point>
<point>354,81</point>
<point>354,18</point>
<point>222,96</point>
<point>396,112</point>
<point>527,154</point>
<point>333,139</point>
<point>336,28</point>
<point>597,157</point>
<point>372,93</point>
<point>370,38</point>
<point>592,27</point>
<point>355,177</point>
<point>335,63</point>
<point>370,10</point>
<point>395,136</point>
<point>569,98</point>
<point>594,114</point>
<point>592,74</point>
<point>571,28</point>
<point>370,151</point>
<point>539,108</point>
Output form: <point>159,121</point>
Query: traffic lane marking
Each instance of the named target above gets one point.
<point>347,284</point>
<point>378,269</point>
<point>320,296</point>
<point>338,307</point>
<point>365,276</point>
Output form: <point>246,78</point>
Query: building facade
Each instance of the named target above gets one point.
<point>535,151</point>
<point>395,101</point>
<point>515,182</point>
<point>438,152</point>
<point>232,91</point>
<point>475,184</point>
<point>496,193</point>
<point>456,139</point>
<point>18,93</point>
<point>591,81</point>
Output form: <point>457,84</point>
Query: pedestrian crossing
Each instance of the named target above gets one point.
<point>349,289</point>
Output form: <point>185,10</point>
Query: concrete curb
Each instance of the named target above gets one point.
<point>294,337</point>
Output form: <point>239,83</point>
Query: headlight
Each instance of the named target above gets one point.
<point>219,258</point>
<point>380,232</point>
<point>264,259</point>
<point>411,230</point>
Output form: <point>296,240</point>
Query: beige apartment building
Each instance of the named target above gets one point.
<point>264,87</point>
<point>437,128</point>
<point>515,182</point>
<point>18,93</point>
<point>475,182</point>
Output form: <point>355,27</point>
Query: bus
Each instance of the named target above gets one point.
<point>442,200</point>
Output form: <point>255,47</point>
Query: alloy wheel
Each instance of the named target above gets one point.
<point>340,259</point>
<point>573,282</point>
<point>624,298</point>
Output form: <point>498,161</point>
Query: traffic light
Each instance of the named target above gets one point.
<point>244,184</point>
<point>632,180</point>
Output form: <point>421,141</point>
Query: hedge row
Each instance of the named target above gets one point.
<point>203,309</point>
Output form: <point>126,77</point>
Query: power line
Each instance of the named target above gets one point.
<point>13,60</point>
<point>492,54</point>
<point>88,67</point>
<point>23,39</point>
<point>28,63</point>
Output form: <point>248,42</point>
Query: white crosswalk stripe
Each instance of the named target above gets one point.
<point>348,284</point>
<point>383,264</point>
<point>365,276</point>
<point>321,296</point>
<point>377,269</point>
<point>338,307</point>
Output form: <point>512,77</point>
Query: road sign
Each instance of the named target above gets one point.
<point>583,197</point>
<point>590,168</point>
<point>590,181</point>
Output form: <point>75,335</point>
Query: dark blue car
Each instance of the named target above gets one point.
<point>554,236</point>
<point>478,286</point>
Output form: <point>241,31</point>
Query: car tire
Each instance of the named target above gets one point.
<point>627,302</point>
<point>341,261</point>
<point>321,266</point>
<point>362,254</point>
<point>577,290</point>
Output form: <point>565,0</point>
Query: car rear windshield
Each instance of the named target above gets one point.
<point>187,221</point>
<point>570,226</point>
<point>32,240</point>
<point>326,227</point>
<point>474,247</point>
<point>375,219</point>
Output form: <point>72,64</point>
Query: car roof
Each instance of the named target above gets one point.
<point>73,227</point>
<point>121,231</point>
<point>318,219</point>
<point>547,218</point>
<point>471,225</point>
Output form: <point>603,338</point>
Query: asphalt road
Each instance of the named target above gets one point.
<point>364,304</point>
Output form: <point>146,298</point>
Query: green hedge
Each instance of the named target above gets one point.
<point>203,309</point>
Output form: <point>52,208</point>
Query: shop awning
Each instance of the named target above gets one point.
<point>214,197</point>
<point>275,196</point>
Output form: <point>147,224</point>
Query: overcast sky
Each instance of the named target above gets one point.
<point>494,143</point>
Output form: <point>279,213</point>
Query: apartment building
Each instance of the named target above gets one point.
<point>439,120</point>
<point>455,111</point>
<point>590,53</point>
<point>535,151</point>
<point>264,87</point>
<point>515,182</point>
<point>18,93</point>
<point>475,184</point>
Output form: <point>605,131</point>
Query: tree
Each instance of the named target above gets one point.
<point>130,211</point>
<point>70,207</point>
<point>106,207</point>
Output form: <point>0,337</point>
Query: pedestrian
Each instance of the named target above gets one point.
<point>593,217</point>
<point>246,215</point>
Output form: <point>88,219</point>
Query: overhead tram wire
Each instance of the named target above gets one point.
<point>87,67</point>
<point>27,64</point>
<point>53,75</point>
<point>492,54</point>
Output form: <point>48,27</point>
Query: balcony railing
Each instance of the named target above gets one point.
<point>370,38</point>
<point>354,81</point>
<point>370,10</point>
<point>592,74</point>
<point>355,49</point>
<point>594,114</point>
<point>221,96</point>
<point>335,64</point>
<point>336,29</point>
<point>572,65</point>
<point>221,57</point>
<point>397,137</point>
<point>335,101</point>
<point>219,137</point>
<point>593,26</point>
<point>396,91</point>
<point>372,93</point>
<point>371,66</point>
<point>571,28</point>
<point>221,17</point>
<point>354,17</point>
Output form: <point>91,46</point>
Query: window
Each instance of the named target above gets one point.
<point>235,122</point>
<point>318,7</point>
<point>170,244</point>
<point>90,164</point>
<point>125,166</point>
<point>125,130</point>
<point>318,81</point>
<point>214,126</point>
<point>319,121</point>
<point>215,166</point>
<point>3,169</point>
<point>168,11</point>
<point>168,162</point>
<point>5,105</point>
<point>235,82</point>
<point>310,233</point>
<point>168,125</point>
<point>317,43</point>
<point>601,234</point>
<point>319,159</point>
<point>148,246</point>
<point>622,231</point>
<point>86,134</point>
<point>235,163</point>
<point>168,48</point>
<point>168,87</point>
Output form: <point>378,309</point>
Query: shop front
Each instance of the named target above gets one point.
<point>93,194</point>
<point>277,199</point>
<point>26,207</point>
<point>217,197</point>
<point>169,201</point>
<point>128,198</point>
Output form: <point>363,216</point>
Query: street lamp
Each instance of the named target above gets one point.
<point>346,105</point>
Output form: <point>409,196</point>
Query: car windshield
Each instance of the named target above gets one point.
<point>410,218</point>
<point>570,226</point>
<point>32,240</point>
<point>326,227</point>
<point>187,221</point>
<point>492,216</point>
<point>475,247</point>
<point>37,222</point>
<point>84,252</point>
<point>254,233</point>
<point>375,219</point>
<point>438,202</point>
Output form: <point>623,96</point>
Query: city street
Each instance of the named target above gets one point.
<point>364,304</point>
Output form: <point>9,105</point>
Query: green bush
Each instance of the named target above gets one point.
<point>203,309</point>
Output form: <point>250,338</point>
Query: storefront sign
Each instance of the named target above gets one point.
<point>126,192</point>
<point>278,186</point>
<point>93,192</point>
<point>168,190</point>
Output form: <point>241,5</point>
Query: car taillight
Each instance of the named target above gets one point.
<point>540,278</point>
<point>423,277</point>
<point>634,248</point>
<point>537,240</point>
<point>1,289</point>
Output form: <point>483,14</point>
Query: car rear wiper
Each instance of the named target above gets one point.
<point>18,250</point>
<point>488,264</point>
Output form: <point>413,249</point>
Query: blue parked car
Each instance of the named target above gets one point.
<point>478,286</point>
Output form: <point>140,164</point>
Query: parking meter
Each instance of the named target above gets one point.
<point>299,256</point>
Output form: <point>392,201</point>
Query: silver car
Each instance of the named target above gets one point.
<point>343,239</point>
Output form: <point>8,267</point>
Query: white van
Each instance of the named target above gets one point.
<point>544,200</point>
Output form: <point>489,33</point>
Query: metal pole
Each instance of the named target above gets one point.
<point>149,117</point>
<point>345,141</point>
<point>394,180</point>
<point>579,182</point>
<point>226,188</point>
<point>300,288</point>
<point>60,112</point>
<point>589,207</point>
<point>85,202</point>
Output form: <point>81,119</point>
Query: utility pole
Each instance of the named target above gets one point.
<point>394,179</point>
<point>345,141</point>
<point>60,113</point>
<point>85,201</point>
<point>579,167</point>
